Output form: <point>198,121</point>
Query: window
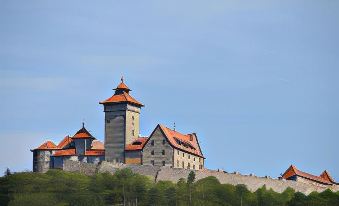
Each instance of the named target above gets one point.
<point>193,158</point>
<point>132,117</point>
<point>163,141</point>
<point>200,166</point>
<point>163,152</point>
<point>152,152</point>
<point>183,154</point>
<point>183,164</point>
<point>133,132</point>
<point>178,164</point>
<point>188,166</point>
<point>178,152</point>
<point>163,163</point>
<point>108,121</point>
<point>189,156</point>
<point>152,162</point>
<point>194,167</point>
<point>152,142</point>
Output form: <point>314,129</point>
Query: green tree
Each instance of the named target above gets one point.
<point>190,181</point>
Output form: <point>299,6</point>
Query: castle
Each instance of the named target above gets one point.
<point>164,147</point>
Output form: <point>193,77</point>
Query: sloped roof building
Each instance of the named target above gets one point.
<point>122,142</point>
<point>292,173</point>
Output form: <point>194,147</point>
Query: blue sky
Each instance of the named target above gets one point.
<point>256,80</point>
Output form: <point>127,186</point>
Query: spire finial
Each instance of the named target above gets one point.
<point>174,126</point>
<point>122,79</point>
<point>83,124</point>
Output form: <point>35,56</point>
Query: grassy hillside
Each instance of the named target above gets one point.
<point>124,187</point>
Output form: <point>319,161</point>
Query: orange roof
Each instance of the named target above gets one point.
<point>48,145</point>
<point>293,171</point>
<point>121,98</point>
<point>137,144</point>
<point>82,134</point>
<point>95,152</point>
<point>122,86</point>
<point>186,142</point>
<point>325,175</point>
<point>97,145</point>
<point>66,141</point>
<point>72,152</point>
<point>65,152</point>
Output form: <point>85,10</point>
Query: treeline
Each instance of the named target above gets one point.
<point>127,188</point>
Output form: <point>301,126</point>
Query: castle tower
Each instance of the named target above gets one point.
<point>121,122</point>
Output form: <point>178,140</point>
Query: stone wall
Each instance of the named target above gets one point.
<point>157,150</point>
<point>157,173</point>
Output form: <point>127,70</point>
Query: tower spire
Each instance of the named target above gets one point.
<point>122,79</point>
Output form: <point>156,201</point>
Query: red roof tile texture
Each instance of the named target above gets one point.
<point>122,98</point>
<point>64,152</point>
<point>122,86</point>
<point>48,145</point>
<point>82,134</point>
<point>186,142</point>
<point>95,152</point>
<point>97,145</point>
<point>136,145</point>
<point>324,178</point>
<point>66,141</point>
<point>72,152</point>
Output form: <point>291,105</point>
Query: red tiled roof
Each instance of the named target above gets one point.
<point>292,171</point>
<point>72,152</point>
<point>94,152</point>
<point>325,175</point>
<point>121,98</point>
<point>137,144</point>
<point>48,145</point>
<point>82,134</point>
<point>186,142</point>
<point>122,86</point>
<point>97,145</point>
<point>66,141</point>
<point>65,152</point>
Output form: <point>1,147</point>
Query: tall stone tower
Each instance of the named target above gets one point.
<point>122,113</point>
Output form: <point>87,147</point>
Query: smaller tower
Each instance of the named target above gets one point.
<point>82,141</point>
<point>42,156</point>
<point>121,122</point>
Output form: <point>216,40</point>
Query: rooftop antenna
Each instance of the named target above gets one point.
<point>174,126</point>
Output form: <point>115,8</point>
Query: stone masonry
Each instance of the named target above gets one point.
<point>166,173</point>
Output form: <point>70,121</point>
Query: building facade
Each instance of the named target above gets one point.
<point>80,147</point>
<point>164,147</point>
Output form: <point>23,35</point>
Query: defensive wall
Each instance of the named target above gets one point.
<point>174,174</point>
